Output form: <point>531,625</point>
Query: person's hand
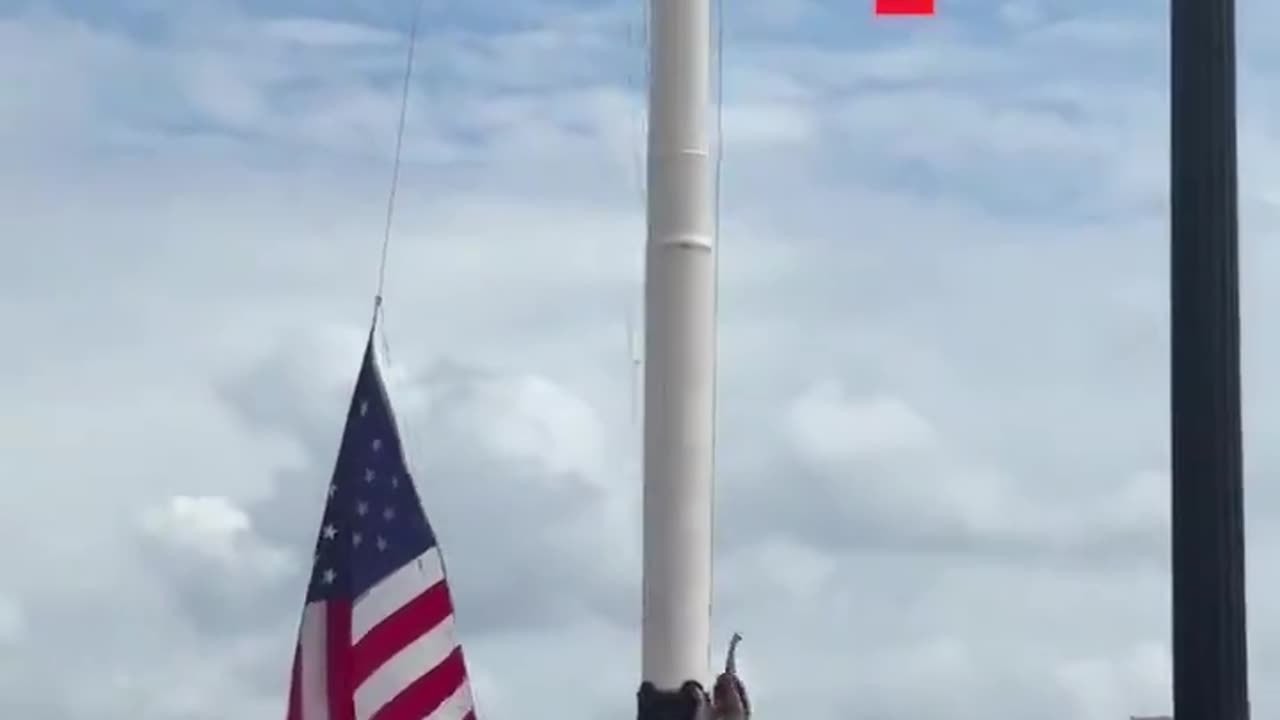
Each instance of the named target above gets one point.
<point>729,699</point>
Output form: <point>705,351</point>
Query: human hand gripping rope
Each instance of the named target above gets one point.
<point>729,700</point>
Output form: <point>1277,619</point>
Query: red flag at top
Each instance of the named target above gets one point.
<point>904,7</point>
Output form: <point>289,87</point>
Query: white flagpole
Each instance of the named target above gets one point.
<point>680,353</point>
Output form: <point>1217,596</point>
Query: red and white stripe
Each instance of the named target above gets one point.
<point>394,655</point>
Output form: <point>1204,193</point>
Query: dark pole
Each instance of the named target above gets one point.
<point>1210,658</point>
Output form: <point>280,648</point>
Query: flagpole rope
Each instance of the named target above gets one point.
<point>715,303</point>
<point>638,41</point>
<point>396,161</point>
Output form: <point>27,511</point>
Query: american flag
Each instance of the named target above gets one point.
<point>377,638</point>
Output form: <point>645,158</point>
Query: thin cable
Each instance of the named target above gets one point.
<point>395,167</point>
<point>719,149</point>
<point>635,302</point>
<point>715,301</point>
<point>641,126</point>
<point>378,310</point>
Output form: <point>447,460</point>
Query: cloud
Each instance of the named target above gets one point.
<point>828,427</point>
<point>498,455</point>
<point>942,452</point>
<point>11,620</point>
<point>207,549</point>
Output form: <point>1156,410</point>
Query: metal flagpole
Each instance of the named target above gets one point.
<point>680,351</point>
<point>1209,639</point>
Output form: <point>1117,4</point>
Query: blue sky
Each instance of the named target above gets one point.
<point>943,346</point>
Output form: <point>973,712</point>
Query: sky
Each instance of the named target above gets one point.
<point>942,455</point>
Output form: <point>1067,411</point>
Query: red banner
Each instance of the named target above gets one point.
<point>904,7</point>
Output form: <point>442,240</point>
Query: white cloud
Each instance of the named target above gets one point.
<point>316,32</point>
<point>829,427</point>
<point>12,623</point>
<point>215,530</point>
<point>1108,687</point>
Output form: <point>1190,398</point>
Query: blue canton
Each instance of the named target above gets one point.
<point>373,521</point>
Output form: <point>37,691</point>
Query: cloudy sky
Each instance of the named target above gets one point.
<point>943,453</point>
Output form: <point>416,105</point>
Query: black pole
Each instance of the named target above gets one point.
<point>1210,658</point>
